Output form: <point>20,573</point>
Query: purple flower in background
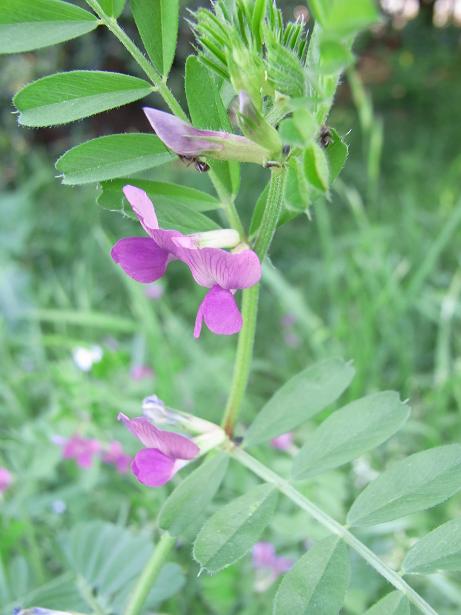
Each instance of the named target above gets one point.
<point>185,140</point>
<point>6,478</point>
<point>164,454</point>
<point>155,290</point>
<point>268,565</point>
<point>283,442</point>
<point>81,449</point>
<point>146,259</point>
<point>141,372</point>
<point>115,455</point>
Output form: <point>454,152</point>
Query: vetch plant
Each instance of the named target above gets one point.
<point>278,80</point>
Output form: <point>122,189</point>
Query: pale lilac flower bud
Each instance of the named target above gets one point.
<point>6,478</point>
<point>284,442</point>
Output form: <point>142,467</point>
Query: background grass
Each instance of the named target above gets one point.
<point>374,276</point>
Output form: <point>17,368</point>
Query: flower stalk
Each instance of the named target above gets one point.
<point>245,345</point>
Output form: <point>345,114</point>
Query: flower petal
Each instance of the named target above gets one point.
<point>140,258</point>
<point>142,207</point>
<point>172,444</point>
<point>179,136</point>
<point>220,313</point>
<point>152,468</point>
<point>229,270</point>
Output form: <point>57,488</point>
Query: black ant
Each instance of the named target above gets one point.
<point>325,136</point>
<point>200,165</point>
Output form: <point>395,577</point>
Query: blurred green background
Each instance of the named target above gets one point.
<point>374,276</point>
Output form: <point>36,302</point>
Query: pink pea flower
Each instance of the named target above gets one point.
<point>141,372</point>
<point>115,455</point>
<point>268,565</point>
<point>164,454</point>
<point>185,140</point>
<point>81,449</point>
<point>6,478</point>
<point>146,259</point>
<point>283,442</point>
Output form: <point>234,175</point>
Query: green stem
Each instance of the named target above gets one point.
<point>148,68</point>
<point>334,527</point>
<point>149,575</point>
<point>244,355</point>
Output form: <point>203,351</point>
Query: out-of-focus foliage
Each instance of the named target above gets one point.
<point>374,277</point>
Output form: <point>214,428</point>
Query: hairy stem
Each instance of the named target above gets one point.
<point>334,527</point>
<point>148,68</point>
<point>149,575</point>
<point>244,355</point>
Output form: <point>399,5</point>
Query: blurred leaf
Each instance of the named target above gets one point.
<point>298,130</point>
<point>26,25</point>
<point>415,483</point>
<point>170,214</point>
<point>231,532</point>
<point>299,399</point>
<point>186,505</point>
<point>162,193</point>
<point>113,8</point>
<point>342,17</point>
<point>316,168</point>
<point>334,56</point>
<point>347,433</point>
<point>438,550</point>
<point>296,188</point>
<point>207,111</point>
<point>66,97</point>
<point>318,581</point>
<point>336,153</point>
<point>108,558</point>
<point>394,603</point>
<point>157,23</point>
<point>111,157</point>
<point>258,210</point>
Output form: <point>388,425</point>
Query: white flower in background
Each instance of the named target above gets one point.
<point>85,358</point>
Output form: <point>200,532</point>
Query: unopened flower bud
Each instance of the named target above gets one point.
<point>256,127</point>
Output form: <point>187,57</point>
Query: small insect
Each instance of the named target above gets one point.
<point>272,164</point>
<point>200,165</point>
<point>325,136</point>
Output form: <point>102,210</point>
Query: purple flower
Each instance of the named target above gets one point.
<point>6,478</point>
<point>283,442</point>
<point>115,455</point>
<point>269,565</point>
<point>164,453</point>
<point>146,259</point>
<point>81,449</point>
<point>185,140</point>
<point>141,372</point>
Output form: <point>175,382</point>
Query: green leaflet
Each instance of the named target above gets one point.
<point>188,502</point>
<point>26,25</point>
<point>157,23</point>
<point>438,550</point>
<point>299,399</point>
<point>111,157</point>
<point>350,431</point>
<point>231,532</point>
<point>66,97</point>
<point>394,603</point>
<point>415,483</point>
<point>317,583</point>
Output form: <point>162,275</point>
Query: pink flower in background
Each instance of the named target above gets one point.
<point>164,454</point>
<point>6,478</point>
<point>115,455</point>
<point>155,290</point>
<point>81,449</point>
<point>268,565</point>
<point>146,259</point>
<point>141,372</point>
<point>283,442</point>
